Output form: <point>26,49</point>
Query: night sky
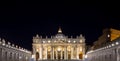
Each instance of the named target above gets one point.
<point>21,20</point>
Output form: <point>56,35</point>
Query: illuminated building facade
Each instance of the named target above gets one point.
<point>58,47</point>
<point>10,52</point>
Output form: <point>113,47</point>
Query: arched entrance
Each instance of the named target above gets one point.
<point>69,54</point>
<point>59,54</point>
<point>37,56</point>
<point>48,55</point>
<point>81,55</point>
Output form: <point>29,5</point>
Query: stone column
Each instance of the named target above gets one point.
<point>53,53</point>
<point>56,55</point>
<point>61,54</point>
<point>71,53</point>
<point>40,53</point>
<point>77,53</point>
<point>46,53</point>
<point>116,54</point>
<point>65,53</point>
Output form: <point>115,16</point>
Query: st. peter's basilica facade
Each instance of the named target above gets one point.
<point>58,47</point>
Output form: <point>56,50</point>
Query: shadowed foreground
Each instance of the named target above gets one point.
<point>60,60</point>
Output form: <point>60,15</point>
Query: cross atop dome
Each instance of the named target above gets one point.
<point>59,30</point>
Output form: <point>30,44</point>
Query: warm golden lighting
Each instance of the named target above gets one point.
<point>49,41</point>
<point>55,41</point>
<point>69,41</point>
<point>59,49</point>
<point>80,49</point>
<point>49,48</point>
<point>81,55</point>
<point>114,34</point>
<point>74,41</point>
<point>59,31</point>
<point>80,41</point>
<point>37,50</point>
<point>68,48</point>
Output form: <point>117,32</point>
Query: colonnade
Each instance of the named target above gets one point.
<point>110,52</point>
<point>9,52</point>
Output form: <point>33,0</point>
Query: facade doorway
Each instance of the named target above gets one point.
<point>59,54</point>
<point>69,55</point>
<point>37,56</point>
<point>80,55</point>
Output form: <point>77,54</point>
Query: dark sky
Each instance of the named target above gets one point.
<point>21,20</point>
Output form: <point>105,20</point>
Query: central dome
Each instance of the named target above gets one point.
<point>59,34</point>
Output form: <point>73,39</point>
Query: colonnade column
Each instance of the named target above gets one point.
<point>118,54</point>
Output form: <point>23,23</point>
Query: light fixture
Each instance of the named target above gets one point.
<point>59,49</point>
<point>43,41</point>
<point>0,42</point>
<point>80,41</point>
<point>74,41</point>
<point>86,56</point>
<point>108,35</point>
<point>69,41</point>
<point>37,49</point>
<point>48,41</point>
<point>55,41</point>
<point>3,44</point>
<point>33,56</point>
<point>109,45</point>
<point>80,49</point>
<point>117,43</point>
<point>49,49</point>
<point>112,44</point>
<point>20,57</point>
